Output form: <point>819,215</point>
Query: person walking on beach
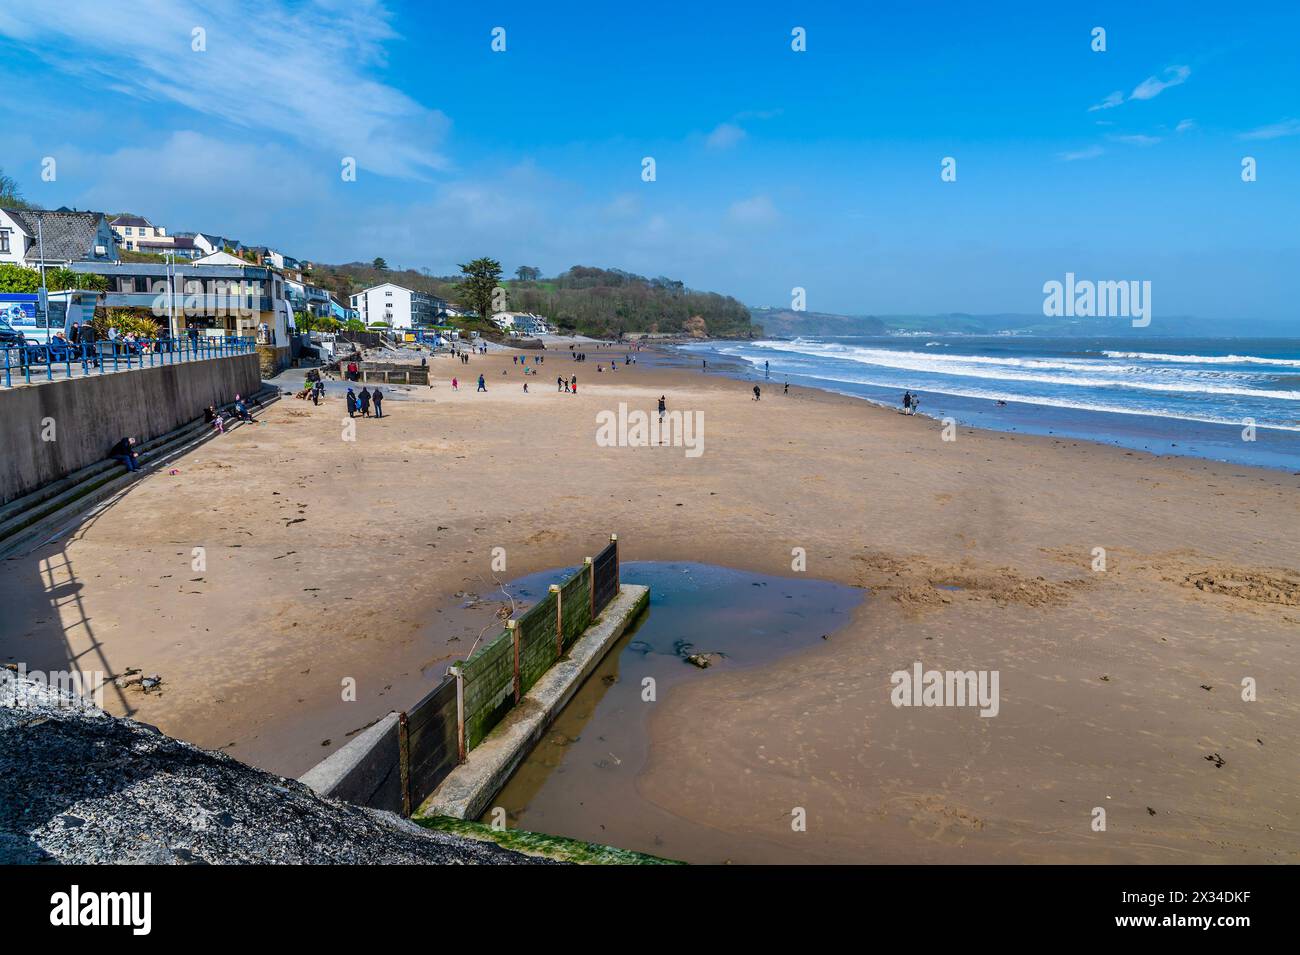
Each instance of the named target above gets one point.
<point>907,401</point>
<point>559,383</point>
<point>573,384</point>
<point>787,388</point>
<point>125,452</point>
<point>455,385</point>
<point>352,403</point>
<point>766,369</point>
<point>482,385</point>
<point>916,400</point>
<point>525,387</point>
<point>363,399</point>
<point>757,394</point>
<point>663,406</point>
<point>704,364</point>
<point>378,397</point>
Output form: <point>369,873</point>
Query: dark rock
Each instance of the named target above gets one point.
<point>80,786</point>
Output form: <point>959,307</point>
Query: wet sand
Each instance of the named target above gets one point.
<point>581,778</point>
<point>330,559</point>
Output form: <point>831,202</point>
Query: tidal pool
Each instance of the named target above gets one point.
<point>580,780</point>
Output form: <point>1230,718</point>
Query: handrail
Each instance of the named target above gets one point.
<point>116,354</point>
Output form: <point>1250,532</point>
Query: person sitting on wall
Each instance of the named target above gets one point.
<point>125,452</point>
<point>241,410</point>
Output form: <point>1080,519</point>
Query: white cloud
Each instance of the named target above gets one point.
<point>756,210</point>
<point>1185,125</point>
<point>270,67</point>
<point>1153,86</point>
<point>1137,139</point>
<point>1288,127</point>
<point>1111,101</point>
<point>189,181</point>
<point>1090,152</point>
<point>724,136</point>
<point>1149,88</point>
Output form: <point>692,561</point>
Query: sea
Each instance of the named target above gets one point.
<point>1227,399</point>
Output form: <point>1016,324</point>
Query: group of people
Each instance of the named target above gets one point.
<point>362,402</point>
<point>463,354</point>
<point>567,385</point>
<point>83,342</point>
<point>239,411</point>
<point>312,391</point>
<point>910,401</point>
<point>125,451</point>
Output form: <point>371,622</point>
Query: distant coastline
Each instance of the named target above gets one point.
<point>1232,400</point>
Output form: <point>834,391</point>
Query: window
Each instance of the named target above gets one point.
<point>388,294</point>
<point>4,241</point>
<point>130,231</point>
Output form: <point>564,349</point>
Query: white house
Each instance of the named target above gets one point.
<point>398,307</point>
<point>62,236</point>
<point>521,323</point>
<point>220,258</point>
<point>133,231</point>
<point>209,242</point>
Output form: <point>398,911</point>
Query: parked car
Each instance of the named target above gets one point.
<point>9,337</point>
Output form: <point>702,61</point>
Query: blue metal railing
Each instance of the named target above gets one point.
<point>41,361</point>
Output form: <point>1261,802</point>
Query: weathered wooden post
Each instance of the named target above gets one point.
<point>591,586</point>
<point>513,627</point>
<point>404,761</point>
<point>460,712</point>
<point>559,622</point>
<point>618,577</point>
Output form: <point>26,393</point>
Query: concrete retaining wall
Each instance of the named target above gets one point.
<point>467,791</point>
<point>89,415</point>
<point>367,771</point>
<point>274,359</point>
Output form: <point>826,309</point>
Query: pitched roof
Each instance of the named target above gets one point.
<point>66,236</point>
<point>131,221</point>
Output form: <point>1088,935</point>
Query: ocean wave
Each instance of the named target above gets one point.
<point>1203,359</point>
<point>1055,402</point>
<point>1026,370</point>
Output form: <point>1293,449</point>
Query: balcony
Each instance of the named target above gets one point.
<point>196,306</point>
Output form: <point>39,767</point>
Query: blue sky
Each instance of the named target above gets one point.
<point>774,168</point>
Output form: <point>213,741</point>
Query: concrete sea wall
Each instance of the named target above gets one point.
<point>52,429</point>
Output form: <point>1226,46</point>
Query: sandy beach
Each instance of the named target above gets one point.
<point>330,559</point>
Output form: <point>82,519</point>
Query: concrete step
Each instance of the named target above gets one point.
<point>48,514</point>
